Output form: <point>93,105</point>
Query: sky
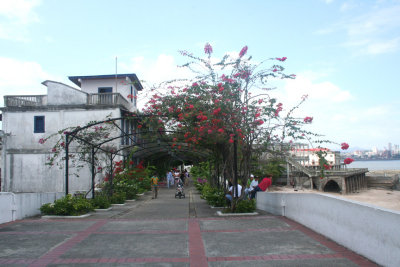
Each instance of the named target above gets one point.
<point>345,54</point>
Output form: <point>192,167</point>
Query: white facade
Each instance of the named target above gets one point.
<point>23,157</point>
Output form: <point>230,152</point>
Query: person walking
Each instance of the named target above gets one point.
<point>170,178</point>
<point>154,186</point>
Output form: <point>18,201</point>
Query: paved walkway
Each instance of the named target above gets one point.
<point>168,232</point>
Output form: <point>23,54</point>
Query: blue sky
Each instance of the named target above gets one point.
<point>345,53</point>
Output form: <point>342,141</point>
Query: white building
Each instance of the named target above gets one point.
<point>307,156</point>
<point>27,119</point>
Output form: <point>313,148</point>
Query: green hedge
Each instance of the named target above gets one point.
<point>67,206</point>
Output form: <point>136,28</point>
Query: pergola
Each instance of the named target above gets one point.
<point>160,145</point>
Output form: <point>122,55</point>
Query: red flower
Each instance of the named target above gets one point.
<point>191,106</point>
<point>220,130</point>
<point>308,119</point>
<point>41,141</point>
<point>259,122</point>
<point>208,49</point>
<point>281,58</point>
<point>345,146</point>
<point>140,126</point>
<point>257,115</point>
<point>210,131</point>
<point>348,160</point>
<point>130,96</point>
<point>327,167</point>
<point>231,140</point>
<point>243,51</point>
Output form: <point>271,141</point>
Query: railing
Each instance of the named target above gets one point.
<point>41,100</point>
<point>108,99</point>
<point>25,100</point>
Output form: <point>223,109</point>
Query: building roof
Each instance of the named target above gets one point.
<point>131,76</point>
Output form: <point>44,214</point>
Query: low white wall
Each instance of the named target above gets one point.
<point>367,230</point>
<point>18,206</point>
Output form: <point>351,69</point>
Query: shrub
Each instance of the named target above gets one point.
<point>68,206</point>
<point>101,201</point>
<point>245,206</point>
<point>213,195</point>
<point>118,198</point>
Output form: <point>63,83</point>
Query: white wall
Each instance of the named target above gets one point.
<point>368,230</point>
<point>62,94</point>
<point>24,168</point>
<point>18,206</point>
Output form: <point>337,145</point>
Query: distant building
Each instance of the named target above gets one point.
<point>27,119</point>
<point>307,156</point>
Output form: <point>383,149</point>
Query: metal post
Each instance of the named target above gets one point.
<point>66,162</point>
<point>111,175</point>
<point>93,172</point>
<point>235,181</point>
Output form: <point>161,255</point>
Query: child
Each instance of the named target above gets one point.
<point>154,186</point>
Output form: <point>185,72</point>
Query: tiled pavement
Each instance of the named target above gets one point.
<point>168,232</point>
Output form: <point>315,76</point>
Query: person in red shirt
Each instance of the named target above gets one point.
<point>262,186</point>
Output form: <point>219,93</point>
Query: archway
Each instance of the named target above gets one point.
<point>332,186</point>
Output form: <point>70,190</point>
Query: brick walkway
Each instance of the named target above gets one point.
<point>168,232</point>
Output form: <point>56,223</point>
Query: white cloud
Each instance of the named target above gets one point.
<point>317,91</point>
<point>17,15</point>
<point>22,78</point>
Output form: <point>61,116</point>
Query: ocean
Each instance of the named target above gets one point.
<point>376,165</point>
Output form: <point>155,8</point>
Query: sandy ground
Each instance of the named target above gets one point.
<point>378,197</point>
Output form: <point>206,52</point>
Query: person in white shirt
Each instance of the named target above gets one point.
<point>229,196</point>
<point>253,184</point>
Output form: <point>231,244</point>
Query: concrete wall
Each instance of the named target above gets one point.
<point>18,206</point>
<point>368,230</point>
<point>62,94</point>
<point>23,167</point>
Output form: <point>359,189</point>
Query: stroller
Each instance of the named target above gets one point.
<point>179,192</point>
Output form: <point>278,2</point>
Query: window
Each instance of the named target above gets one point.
<point>38,124</point>
<point>102,90</point>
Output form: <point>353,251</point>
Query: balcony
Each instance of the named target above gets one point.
<point>108,99</point>
<point>41,100</point>
<point>25,100</point>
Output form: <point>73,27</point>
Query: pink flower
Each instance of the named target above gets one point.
<point>348,160</point>
<point>99,168</point>
<point>54,149</point>
<point>259,122</point>
<point>231,140</point>
<point>208,49</point>
<point>170,109</point>
<point>274,70</point>
<point>41,141</point>
<point>220,130</point>
<point>260,101</point>
<point>257,115</point>
<point>243,51</point>
<point>209,131</point>
<point>345,146</point>
<point>308,119</point>
<point>180,125</point>
<point>195,84</point>
<point>281,58</point>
